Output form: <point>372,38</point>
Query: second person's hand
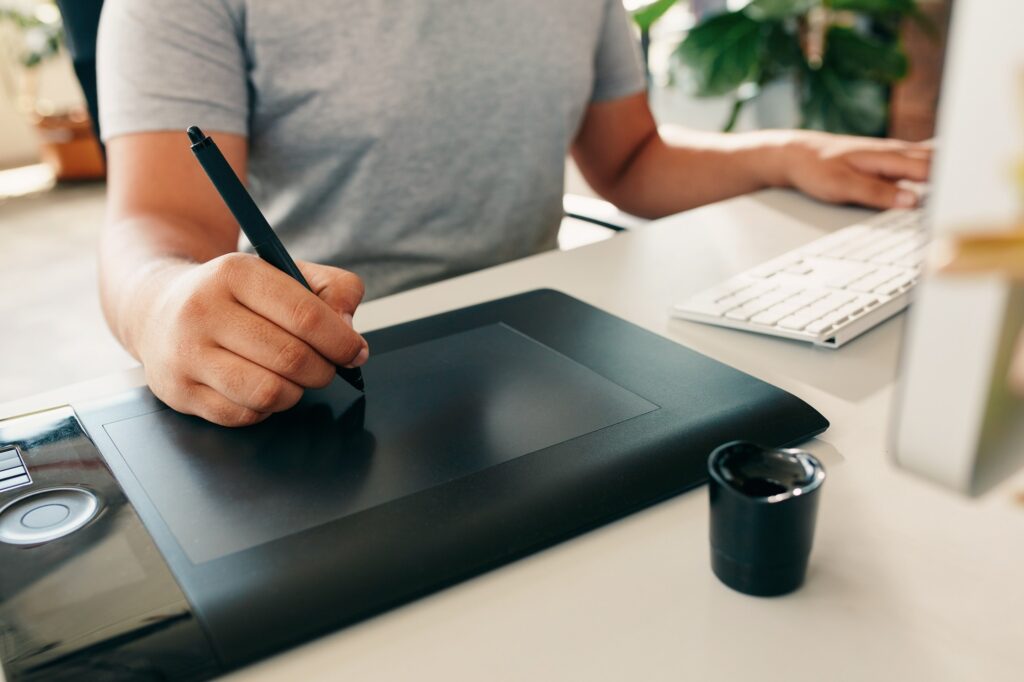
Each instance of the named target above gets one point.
<point>234,340</point>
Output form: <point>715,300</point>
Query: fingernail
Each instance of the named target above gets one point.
<point>905,199</point>
<point>348,318</point>
<point>363,356</point>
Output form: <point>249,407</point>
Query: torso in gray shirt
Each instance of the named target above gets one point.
<point>407,141</point>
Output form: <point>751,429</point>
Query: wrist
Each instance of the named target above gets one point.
<point>773,154</point>
<point>143,298</point>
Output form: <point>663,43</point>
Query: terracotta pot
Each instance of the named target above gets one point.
<point>69,146</point>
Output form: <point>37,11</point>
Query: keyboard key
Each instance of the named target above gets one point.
<point>771,298</point>
<point>828,322</point>
<point>702,308</point>
<point>894,285</point>
<point>771,316</point>
<point>834,240</point>
<point>726,290</point>
<point>901,250</point>
<point>742,314</point>
<point>806,298</point>
<point>818,326</point>
<point>913,259</point>
<point>851,275</point>
<point>857,245</point>
<point>795,323</point>
<point>879,277</point>
<point>774,266</point>
<point>828,304</point>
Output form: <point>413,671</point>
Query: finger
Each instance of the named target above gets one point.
<point>867,190</point>
<point>343,291</point>
<point>257,339</point>
<point>891,164</point>
<point>203,401</point>
<point>857,143</point>
<point>280,299</point>
<point>245,383</point>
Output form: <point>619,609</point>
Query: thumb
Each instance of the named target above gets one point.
<point>340,289</point>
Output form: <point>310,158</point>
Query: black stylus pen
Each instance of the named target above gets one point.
<point>251,220</point>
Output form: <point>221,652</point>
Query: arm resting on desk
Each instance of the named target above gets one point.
<point>625,158</point>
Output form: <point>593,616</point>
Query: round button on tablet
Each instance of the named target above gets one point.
<point>46,516</point>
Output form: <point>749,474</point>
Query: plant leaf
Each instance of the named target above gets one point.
<point>839,105</point>
<point>781,51</point>
<point>648,14</point>
<point>723,52</point>
<point>874,6</point>
<point>852,55</point>
<point>764,10</point>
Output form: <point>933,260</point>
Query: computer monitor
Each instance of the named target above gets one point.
<point>956,422</point>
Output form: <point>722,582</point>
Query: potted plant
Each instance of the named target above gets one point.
<point>841,57</point>
<point>31,35</point>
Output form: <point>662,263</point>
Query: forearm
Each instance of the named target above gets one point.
<point>697,168</point>
<point>139,256</point>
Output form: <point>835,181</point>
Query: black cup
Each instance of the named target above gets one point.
<point>763,506</point>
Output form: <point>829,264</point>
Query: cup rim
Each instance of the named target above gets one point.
<point>818,478</point>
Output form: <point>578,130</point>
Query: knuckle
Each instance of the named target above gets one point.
<point>231,264</point>
<point>306,316</point>
<point>292,358</point>
<point>232,269</point>
<point>243,416</point>
<point>193,308</point>
<point>227,414</point>
<point>231,376</point>
<point>356,284</point>
<point>219,414</point>
<point>268,395</point>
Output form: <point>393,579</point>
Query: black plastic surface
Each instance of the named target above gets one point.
<point>99,603</point>
<point>257,600</point>
<point>440,410</point>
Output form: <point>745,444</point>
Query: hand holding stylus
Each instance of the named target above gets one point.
<point>234,340</point>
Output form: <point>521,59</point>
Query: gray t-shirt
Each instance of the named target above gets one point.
<point>407,141</point>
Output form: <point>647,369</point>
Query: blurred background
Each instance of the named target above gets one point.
<point>867,67</point>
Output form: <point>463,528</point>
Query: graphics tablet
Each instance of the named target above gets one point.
<point>485,434</point>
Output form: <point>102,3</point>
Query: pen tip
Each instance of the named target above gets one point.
<point>195,134</point>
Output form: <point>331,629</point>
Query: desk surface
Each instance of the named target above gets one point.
<point>907,581</point>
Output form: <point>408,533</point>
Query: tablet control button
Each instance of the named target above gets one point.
<point>46,516</point>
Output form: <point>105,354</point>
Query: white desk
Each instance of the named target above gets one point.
<point>907,581</point>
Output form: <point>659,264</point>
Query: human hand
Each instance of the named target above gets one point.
<point>234,340</point>
<point>856,170</point>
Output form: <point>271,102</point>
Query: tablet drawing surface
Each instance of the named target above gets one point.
<point>434,412</point>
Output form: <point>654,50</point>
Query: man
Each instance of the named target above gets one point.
<point>407,141</point>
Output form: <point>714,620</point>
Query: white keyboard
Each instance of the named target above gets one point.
<point>827,292</point>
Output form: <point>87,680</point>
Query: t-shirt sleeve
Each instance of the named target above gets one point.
<point>618,70</point>
<point>169,64</point>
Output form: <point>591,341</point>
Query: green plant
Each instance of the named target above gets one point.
<point>843,56</point>
<point>32,31</point>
